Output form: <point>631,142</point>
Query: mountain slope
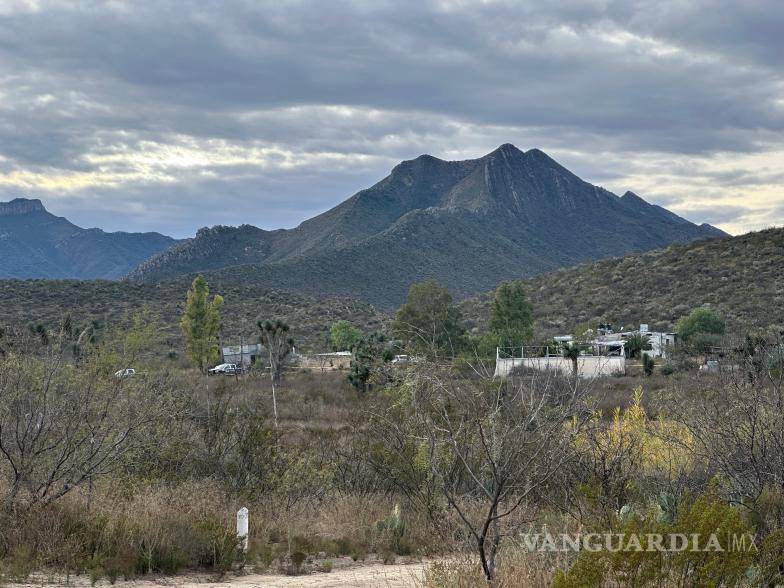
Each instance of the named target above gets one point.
<point>469,224</point>
<point>113,304</point>
<point>740,277</point>
<point>37,244</point>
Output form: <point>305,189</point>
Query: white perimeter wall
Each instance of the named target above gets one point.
<point>587,366</point>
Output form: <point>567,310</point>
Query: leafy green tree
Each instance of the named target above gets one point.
<point>370,353</point>
<point>344,336</point>
<point>701,329</point>
<point>700,321</point>
<point>201,323</point>
<point>511,321</point>
<point>481,346</point>
<point>428,322</point>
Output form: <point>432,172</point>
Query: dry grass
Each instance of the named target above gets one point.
<point>516,569</point>
<point>123,529</point>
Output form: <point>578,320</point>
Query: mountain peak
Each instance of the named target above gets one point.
<point>534,155</point>
<point>470,224</point>
<point>505,150</point>
<point>19,206</point>
<point>633,199</point>
<point>508,148</point>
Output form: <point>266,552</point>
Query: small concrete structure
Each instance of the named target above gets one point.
<point>242,528</point>
<point>588,366</point>
<point>242,355</point>
<point>661,343</point>
<point>337,360</point>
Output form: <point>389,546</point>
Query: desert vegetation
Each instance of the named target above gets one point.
<point>117,477</point>
<point>112,305</point>
<point>738,277</point>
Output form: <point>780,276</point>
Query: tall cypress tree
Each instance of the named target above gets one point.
<point>511,322</point>
<point>201,323</point>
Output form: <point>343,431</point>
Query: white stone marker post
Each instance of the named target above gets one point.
<point>242,528</point>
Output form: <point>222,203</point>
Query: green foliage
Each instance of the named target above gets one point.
<point>344,336</point>
<point>734,275</point>
<point>143,334</point>
<point>572,351</point>
<point>115,543</point>
<point>482,346</point>
<point>201,324</point>
<point>275,337</point>
<point>114,303</point>
<point>771,559</point>
<point>586,331</point>
<point>511,319</point>
<point>220,545</point>
<point>87,422</point>
<point>700,321</point>
<point>647,364</point>
<point>297,559</point>
<point>636,344</point>
<point>707,515</point>
<point>370,354</point>
<point>393,528</point>
<point>428,322</point>
<point>40,331</point>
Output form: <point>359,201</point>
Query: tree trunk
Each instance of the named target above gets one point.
<point>487,566</point>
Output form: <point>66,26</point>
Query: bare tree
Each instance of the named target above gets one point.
<point>737,421</point>
<point>60,427</point>
<point>494,444</point>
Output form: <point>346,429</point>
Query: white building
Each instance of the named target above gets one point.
<point>661,342</point>
<point>588,366</point>
<point>244,355</point>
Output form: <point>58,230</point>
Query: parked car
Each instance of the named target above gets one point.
<point>228,369</point>
<point>125,373</point>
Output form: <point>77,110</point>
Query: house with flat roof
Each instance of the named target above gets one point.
<point>244,355</point>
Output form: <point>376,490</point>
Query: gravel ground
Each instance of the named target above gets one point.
<point>356,575</point>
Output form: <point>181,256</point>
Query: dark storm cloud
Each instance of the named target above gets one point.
<point>228,97</point>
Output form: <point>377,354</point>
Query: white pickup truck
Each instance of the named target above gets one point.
<point>225,368</point>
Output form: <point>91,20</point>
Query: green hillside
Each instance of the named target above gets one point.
<point>741,277</point>
<point>113,303</point>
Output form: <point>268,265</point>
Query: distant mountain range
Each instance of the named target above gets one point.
<point>741,277</point>
<point>37,244</point>
<point>469,224</point>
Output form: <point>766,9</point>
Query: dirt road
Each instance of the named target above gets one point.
<point>360,576</point>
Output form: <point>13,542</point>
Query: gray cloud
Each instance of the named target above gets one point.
<point>153,115</point>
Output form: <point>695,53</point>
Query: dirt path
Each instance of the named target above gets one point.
<point>359,576</point>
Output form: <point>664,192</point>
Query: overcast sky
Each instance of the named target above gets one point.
<point>168,116</point>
